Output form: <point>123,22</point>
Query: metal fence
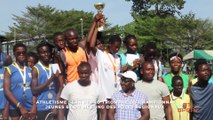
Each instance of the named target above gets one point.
<point>31,44</point>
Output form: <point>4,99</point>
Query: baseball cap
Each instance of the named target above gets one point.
<point>129,74</point>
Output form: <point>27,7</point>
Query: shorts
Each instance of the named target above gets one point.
<point>15,113</point>
<point>41,115</point>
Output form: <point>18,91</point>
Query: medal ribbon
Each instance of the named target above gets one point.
<point>23,75</point>
<point>177,106</point>
<point>113,64</point>
<point>48,74</point>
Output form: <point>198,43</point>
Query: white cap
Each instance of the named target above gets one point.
<point>129,74</point>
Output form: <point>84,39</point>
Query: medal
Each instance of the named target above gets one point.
<point>50,95</point>
<point>184,105</point>
<point>24,96</point>
<point>116,85</point>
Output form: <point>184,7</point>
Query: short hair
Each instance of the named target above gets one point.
<point>128,37</point>
<point>84,64</point>
<point>175,78</point>
<point>40,45</point>
<point>177,54</point>
<point>146,62</point>
<point>69,30</point>
<point>199,62</point>
<point>150,45</point>
<point>19,44</point>
<point>57,34</point>
<point>114,38</point>
<point>34,55</point>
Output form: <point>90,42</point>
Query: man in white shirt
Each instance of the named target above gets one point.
<point>83,97</point>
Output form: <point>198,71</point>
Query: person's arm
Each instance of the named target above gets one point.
<point>9,94</point>
<point>33,110</point>
<point>93,37</point>
<point>124,68</point>
<point>145,115</point>
<point>57,60</point>
<point>5,112</point>
<point>111,111</point>
<point>62,107</point>
<point>136,64</point>
<point>167,107</point>
<point>59,86</point>
<point>36,89</point>
<point>102,109</point>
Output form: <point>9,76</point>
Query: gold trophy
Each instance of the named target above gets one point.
<point>99,7</point>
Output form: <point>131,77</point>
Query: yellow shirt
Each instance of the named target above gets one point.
<point>181,106</point>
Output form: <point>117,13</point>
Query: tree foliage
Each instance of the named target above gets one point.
<point>161,21</point>
<point>195,33</point>
<point>43,21</point>
<point>160,8</point>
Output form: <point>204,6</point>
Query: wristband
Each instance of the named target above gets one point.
<point>18,104</point>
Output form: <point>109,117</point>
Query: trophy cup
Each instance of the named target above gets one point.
<point>99,7</point>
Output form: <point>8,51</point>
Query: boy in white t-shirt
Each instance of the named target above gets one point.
<point>83,96</point>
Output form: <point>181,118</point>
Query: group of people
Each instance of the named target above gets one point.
<point>94,81</point>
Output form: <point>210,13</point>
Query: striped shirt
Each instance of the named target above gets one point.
<point>128,106</point>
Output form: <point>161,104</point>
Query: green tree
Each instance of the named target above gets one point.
<point>195,33</point>
<point>42,21</point>
<point>161,8</point>
<point>34,22</point>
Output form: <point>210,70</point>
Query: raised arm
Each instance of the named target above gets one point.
<point>93,36</point>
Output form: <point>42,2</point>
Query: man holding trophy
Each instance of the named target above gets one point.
<point>100,6</point>
<point>76,114</point>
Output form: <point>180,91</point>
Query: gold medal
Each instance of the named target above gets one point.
<point>50,95</point>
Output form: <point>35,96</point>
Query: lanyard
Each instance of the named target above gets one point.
<point>113,64</point>
<point>174,101</point>
<point>23,75</point>
<point>48,74</point>
<point>177,106</point>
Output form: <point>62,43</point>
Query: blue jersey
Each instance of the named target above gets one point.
<point>47,98</point>
<point>2,96</point>
<point>21,91</point>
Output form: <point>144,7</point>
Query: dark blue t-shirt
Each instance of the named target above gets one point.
<point>202,98</point>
